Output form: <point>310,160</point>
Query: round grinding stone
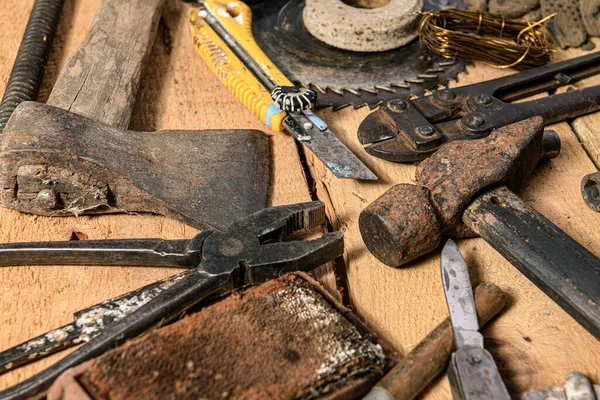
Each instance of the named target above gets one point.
<point>362,29</point>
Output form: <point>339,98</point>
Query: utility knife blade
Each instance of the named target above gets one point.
<point>473,374</point>
<point>222,34</point>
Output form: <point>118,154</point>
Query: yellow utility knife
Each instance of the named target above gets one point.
<point>222,34</point>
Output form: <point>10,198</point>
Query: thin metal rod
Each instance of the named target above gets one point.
<point>130,252</point>
<point>27,74</point>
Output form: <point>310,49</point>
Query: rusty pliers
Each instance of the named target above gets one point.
<point>411,130</point>
<point>250,252</point>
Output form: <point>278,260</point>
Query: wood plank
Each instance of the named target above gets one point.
<point>178,92</point>
<point>586,127</point>
<point>102,78</point>
<point>535,342</point>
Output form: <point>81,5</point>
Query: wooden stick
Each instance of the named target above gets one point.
<point>102,78</point>
<point>410,376</point>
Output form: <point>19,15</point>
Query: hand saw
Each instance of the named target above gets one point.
<point>222,34</point>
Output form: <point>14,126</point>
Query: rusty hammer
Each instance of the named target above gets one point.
<point>464,190</point>
<point>74,155</point>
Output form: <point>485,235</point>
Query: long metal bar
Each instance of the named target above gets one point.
<point>552,260</point>
<point>130,252</point>
<point>27,74</point>
<point>541,79</point>
<point>88,324</point>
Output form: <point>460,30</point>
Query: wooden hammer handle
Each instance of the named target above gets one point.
<point>410,376</point>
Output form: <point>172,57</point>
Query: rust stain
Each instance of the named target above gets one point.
<point>281,340</point>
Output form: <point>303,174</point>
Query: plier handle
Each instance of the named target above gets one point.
<point>253,250</point>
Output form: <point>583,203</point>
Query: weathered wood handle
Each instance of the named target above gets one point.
<point>410,376</point>
<point>102,77</point>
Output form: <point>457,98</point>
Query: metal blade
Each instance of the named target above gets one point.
<point>346,78</point>
<point>459,297</point>
<point>327,147</point>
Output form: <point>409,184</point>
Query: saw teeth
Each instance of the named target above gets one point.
<point>372,91</point>
<point>374,105</point>
<point>427,76</point>
<point>318,88</point>
<point>417,81</point>
<point>386,88</point>
<point>354,92</point>
<point>401,85</point>
<point>446,63</point>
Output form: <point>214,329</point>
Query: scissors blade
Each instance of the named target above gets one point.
<point>327,148</point>
<point>459,297</point>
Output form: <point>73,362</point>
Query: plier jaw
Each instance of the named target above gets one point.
<point>257,248</point>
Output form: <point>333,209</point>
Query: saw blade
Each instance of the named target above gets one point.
<point>345,78</point>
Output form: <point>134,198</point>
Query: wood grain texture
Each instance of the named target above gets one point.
<point>177,92</point>
<point>102,78</point>
<point>534,341</point>
<point>586,127</point>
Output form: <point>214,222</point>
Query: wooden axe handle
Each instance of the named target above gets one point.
<point>410,376</point>
<point>102,77</point>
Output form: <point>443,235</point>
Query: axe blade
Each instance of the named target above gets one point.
<point>55,163</point>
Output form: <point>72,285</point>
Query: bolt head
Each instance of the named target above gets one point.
<point>474,121</point>
<point>426,130</point>
<point>47,199</point>
<point>397,105</point>
<point>483,99</point>
<point>231,247</point>
<point>446,95</point>
<point>308,125</point>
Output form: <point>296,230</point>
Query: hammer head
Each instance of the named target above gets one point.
<point>408,221</point>
<point>54,162</point>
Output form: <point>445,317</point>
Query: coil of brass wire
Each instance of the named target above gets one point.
<point>482,36</point>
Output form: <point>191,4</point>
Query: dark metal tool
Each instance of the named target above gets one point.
<point>465,190</point>
<point>221,32</point>
<point>345,78</point>
<point>407,131</point>
<point>27,74</point>
<point>75,155</point>
<point>250,252</point>
<point>473,374</point>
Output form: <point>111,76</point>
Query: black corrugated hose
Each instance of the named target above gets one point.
<point>28,71</point>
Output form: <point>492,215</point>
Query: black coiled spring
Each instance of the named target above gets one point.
<point>28,71</point>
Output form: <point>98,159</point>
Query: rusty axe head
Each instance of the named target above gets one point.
<point>76,156</point>
<point>408,221</point>
<point>54,162</point>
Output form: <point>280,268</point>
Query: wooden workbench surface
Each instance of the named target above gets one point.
<point>534,341</point>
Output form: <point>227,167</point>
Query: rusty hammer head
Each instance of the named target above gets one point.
<point>408,221</point>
